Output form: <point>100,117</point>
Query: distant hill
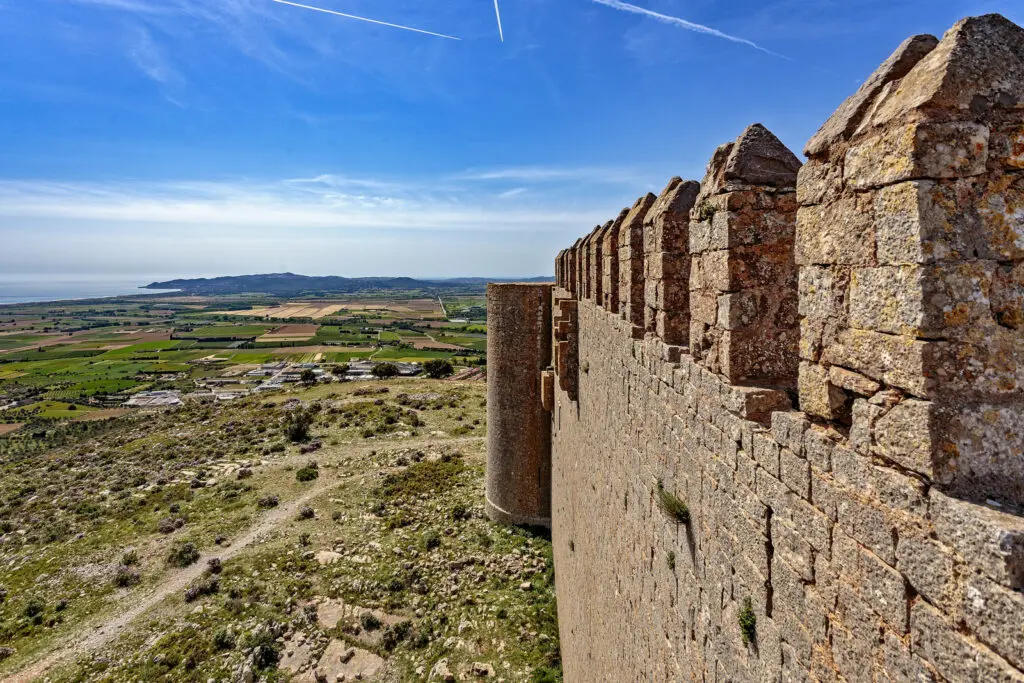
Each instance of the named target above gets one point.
<point>290,284</point>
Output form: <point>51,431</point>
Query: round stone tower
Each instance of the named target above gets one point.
<point>518,427</point>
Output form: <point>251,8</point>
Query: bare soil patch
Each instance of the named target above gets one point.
<point>427,343</point>
<point>290,333</point>
<point>9,428</point>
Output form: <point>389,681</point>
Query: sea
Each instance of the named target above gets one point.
<point>15,291</point>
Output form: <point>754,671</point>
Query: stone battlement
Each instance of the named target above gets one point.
<point>779,413</point>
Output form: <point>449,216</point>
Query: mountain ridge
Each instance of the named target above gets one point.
<point>291,284</point>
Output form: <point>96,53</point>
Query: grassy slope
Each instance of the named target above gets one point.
<point>72,511</point>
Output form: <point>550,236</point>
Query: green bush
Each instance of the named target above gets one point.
<point>224,639</point>
<point>296,427</point>
<point>384,370</point>
<point>308,473</point>
<point>438,368</point>
<point>183,554</point>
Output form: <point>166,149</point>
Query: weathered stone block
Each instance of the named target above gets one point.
<point>839,233</point>
<point>844,122</point>
<point>885,590</point>
<point>920,221</point>
<point>788,430</point>
<point>1001,208</point>
<point>929,568</point>
<point>818,445</point>
<point>818,396</point>
<point>996,615</point>
<point>853,382</point>
<point>990,539</point>
<point>918,150</point>
<point>795,473</point>
<point>935,639</point>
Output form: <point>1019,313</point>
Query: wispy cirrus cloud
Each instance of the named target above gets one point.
<point>358,205</point>
<point>542,174</point>
<point>151,59</point>
<point>683,23</point>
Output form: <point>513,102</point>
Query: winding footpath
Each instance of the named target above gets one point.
<point>94,636</point>
<point>103,629</point>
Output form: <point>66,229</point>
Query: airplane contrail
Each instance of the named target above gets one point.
<point>497,11</point>
<point>688,25</point>
<point>372,21</point>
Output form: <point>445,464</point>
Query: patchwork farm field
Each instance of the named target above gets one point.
<point>342,307</point>
<point>65,361</point>
<point>290,333</point>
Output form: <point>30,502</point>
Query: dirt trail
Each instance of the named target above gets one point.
<point>102,630</point>
<point>93,636</point>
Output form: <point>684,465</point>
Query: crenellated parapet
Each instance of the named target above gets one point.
<point>786,404</point>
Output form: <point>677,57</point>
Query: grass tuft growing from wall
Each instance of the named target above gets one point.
<point>671,505</point>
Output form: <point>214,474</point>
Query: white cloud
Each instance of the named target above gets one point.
<point>150,58</point>
<point>278,204</point>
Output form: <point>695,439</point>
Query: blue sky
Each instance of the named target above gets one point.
<point>161,138</point>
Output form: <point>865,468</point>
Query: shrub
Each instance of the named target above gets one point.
<point>384,370</point>
<point>244,473</point>
<point>306,512</point>
<point>308,473</point>
<point>438,368</point>
<point>340,370</point>
<point>369,622</point>
<point>214,565</point>
<point>296,427</point>
<point>748,622</point>
<point>269,501</point>
<point>34,607</point>
<point>126,576</point>
<point>224,639</point>
<point>431,540</point>
<point>672,506</point>
<point>183,554</point>
<point>393,635</point>
<point>307,376</point>
<point>168,525</point>
<point>546,674</point>
<point>130,558</point>
<point>202,587</point>
<point>265,648</point>
<point>460,511</point>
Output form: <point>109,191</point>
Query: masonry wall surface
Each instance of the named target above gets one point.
<point>855,570</point>
<point>824,479</point>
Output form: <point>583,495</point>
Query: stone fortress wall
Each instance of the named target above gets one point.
<point>786,405</point>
